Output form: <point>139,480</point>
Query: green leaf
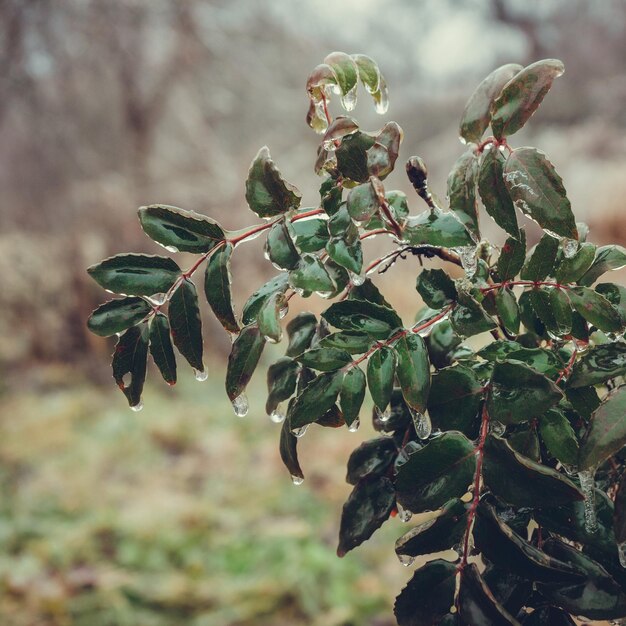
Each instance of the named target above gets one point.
<point>504,547</point>
<point>537,190</point>
<point>115,316</point>
<point>184,317</point>
<point>561,311</point>
<point>381,370</point>
<point>522,482</point>
<point>454,399</point>
<point>130,360</point>
<point>541,260</point>
<point>351,396</point>
<point>317,398</point>
<point>340,222</point>
<point>217,288</point>
<point>368,71</point>
<point>525,441</point>
<point>468,317</point>
<point>324,359</point>
<point>477,113</point>
<point>606,433</point>
<point>243,359</point>
<point>135,274</point>
<point>382,156</point>
<point>428,596</point>
<point>519,393</point>
<point>311,235</point>
<point>441,470</point>
<point>570,270</point>
<point>584,400</point>
<point>436,288</point>
<point>441,343</point>
<point>288,449</point>
<point>280,248</point>
<point>599,364</point>
<point>366,509</point>
<point>607,258</point>
<point>438,533</point>
<point>413,371</point>
<point>339,128</point>
<point>462,191</point>
<point>541,303</point>
<point>508,310</point>
<point>436,228</point>
<point>300,331</point>
<point>357,315</point>
<point>348,254</point>
<point>251,309</point>
<point>595,308</point>
<point>477,605</point>
<point>282,377</point>
<point>559,437</point>
<point>161,348</point>
<point>345,70</point>
<point>616,295</point>
<point>311,275</point>
<point>267,193</point>
<point>338,275</point>
<point>512,257</point>
<point>363,202</point>
<point>352,156</point>
<point>522,95</point>
<point>494,194</point>
<point>179,230</point>
<point>268,318</point>
<point>352,342</point>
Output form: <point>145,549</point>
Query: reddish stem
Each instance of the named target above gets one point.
<point>568,368</point>
<point>397,229</point>
<point>527,283</point>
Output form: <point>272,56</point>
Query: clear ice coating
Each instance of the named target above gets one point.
<point>384,416</point>
<point>404,515</point>
<point>297,480</point>
<point>299,432</point>
<point>587,485</point>
<point>422,423</point>
<point>349,100</point>
<point>467,255</point>
<point>157,299</point>
<point>621,552</point>
<point>201,375</point>
<point>570,247</point>
<point>137,407</point>
<point>357,279</point>
<point>278,415</point>
<point>496,427</point>
<point>354,426</point>
<point>406,560</point>
<point>240,405</point>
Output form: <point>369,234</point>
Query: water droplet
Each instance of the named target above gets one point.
<point>463,140</point>
<point>381,98</point>
<point>201,375</point>
<point>157,299</point>
<point>404,515</point>
<point>273,339</point>
<point>284,309</point>
<point>355,425</point>
<point>501,148</point>
<point>137,407</point>
<point>587,486</point>
<point>384,416</point>
<point>422,423</point>
<point>240,405</point>
<point>357,279</point>
<point>570,247</point>
<point>278,415</point>
<point>266,250</point>
<point>496,427</point>
<point>171,248</point>
<point>325,294</point>
<point>406,560</point>
<point>349,100</point>
<point>297,480</point>
<point>467,255</point>
<point>299,432</point>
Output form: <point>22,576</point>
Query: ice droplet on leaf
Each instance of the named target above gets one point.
<point>403,514</point>
<point>467,255</point>
<point>299,432</point>
<point>356,279</point>
<point>278,415</point>
<point>496,427</point>
<point>157,299</point>
<point>587,485</point>
<point>240,405</point>
<point>348,101</point>
<point>570,247</point>
<point>422,423</point>
<point>384,416</point>
<point>137,407</point>
<point>354,426</point>
<point>297,480</point>
<point>201,375</point>
<point>406,560</point>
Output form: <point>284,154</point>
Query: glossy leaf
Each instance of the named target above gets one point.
<point>288,449</point>
<point>561,311</point>
<point>569,270</point>
<point>310,235</point>
<point>436,288</point>
<point>382,156</point>
<point>616,295</point>
<point>559,437</point>
<point>352,342</point>
<point>512,257</point>
<point>311,275</point>
<point>541,260</point>
<point>413,371</point>
<point>116,316</point>
<point>352,395</point>
<point>599,364</point>
<point>345,70</point>
<point>185,324</point>
<point>363,202</point>
<point>317,397</point>
<point>282,377</point>
<point>584,400</point>
<point>356,315</point>
<point>268,318</point>
<point>161,348</point>
<point>130,361</point>
<point>300,331</point>
<point>217,288</point>
<point>243,359</point>
<point>348,254</point>
<point>267,193</point>
<point>324,359</point>
<point>280,247</point>
<point>251,309</point>
<point>381,369</point>
<point>468,318</point>
<point>179,230</point>
<point>352,156</point>
<point>508,309</point>
<point>368,72</point>
<point>606,258</point>
<point>436,228</point>
<point>595,308</point>
<point>462,191</point>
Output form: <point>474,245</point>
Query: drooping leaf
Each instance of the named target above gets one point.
<point>300,331</point>
<point>339,128</point>
<point>382,156</point>
<point>268,318</point>
<point>462,191</point>
<point>316,398</point>
<point>537,190</point>
<point>251,309</point>
<point>357,315</point>
<point>541,260</point>
<point>508,309</point>
<point>381,370</point>
<point>243,359</point>
<point>436,288</point>
<point>282,377</point>
<point>569,270</point>
<point>267,193</point>
<point>324,359</point>
<point>468,318</point>
<point>441,470</point>
<point>559,437</point>
<point>161,348</point>
<point>311,275</point>
<point>352,395</point>
<point>607,258</point>
<point>436,228</point>
<point>522,95</point>
<point>135,274</point>
<point>116,316</point>
<point>353,342</point>
<point>179,230</point>
<point>512,257</point>
<point>130,361</point>
<point>368,72</point>
<point>280,247</point>
<point>413,371</point>
<point>288,449</point>
<point>595,308</point>
<point>522,482</point>
<point>217,288</point>
<point>599,364</point>
<point>185,324</point>
<point>346,71</point>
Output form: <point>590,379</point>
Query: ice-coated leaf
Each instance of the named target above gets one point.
<point>161,348</point>
<point>494,194</point>
<point>541,259</point>
<point>518,393</point>
<point>537,190</point>
<point>251,309</point>
<point>300,331</point>
<point>368,72</point>
<point>428,596</point>
<point>436,228</point>
<point>371,458</point>
<point>130,361</point>
<point>606,433</point>
<point>217,288</point>
<point>357,315</point>
<point>584,400</point>
<point>599,364</point>
<point>268,318</point>
<point>616,295</point>
<point>280,248</point>
<point>520,481</point>
<point>316,399</point>
<point>135,274</point>
<point>310,235</point>
<point>340,127</point>
<point>561,311</point>
<point>185,324</point>
<point>595,308</point>
<point>441,470</point>
<point>267,193</point>
<point>512,257</point>
<point>288,449</point>
<point>382,156</point>
<point>381,370</point>
<point>468,318</point>
<point>559,437</point>
<point>606,258</point>
<point>345,69</point>
<point>282,376</point>
<point>363,202</point>
<point>243,359</point>
<point>353,342</point>
<point>522,95</point>
<point>352,395</point>
<point>413,370</point>
<point>570,270</point>
<point>115,316</point>
<point>348,254</point>
<point>324,359</point>
<point>311,275</point>
<point>462,191</point>
<point>366,509</point>
<point>179,230</point>
<point>477,113</point>
<point>508,310</point>
<point>352,156</point>
<point>436,288</point>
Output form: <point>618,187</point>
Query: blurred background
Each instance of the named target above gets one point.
<point>183,514</point>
